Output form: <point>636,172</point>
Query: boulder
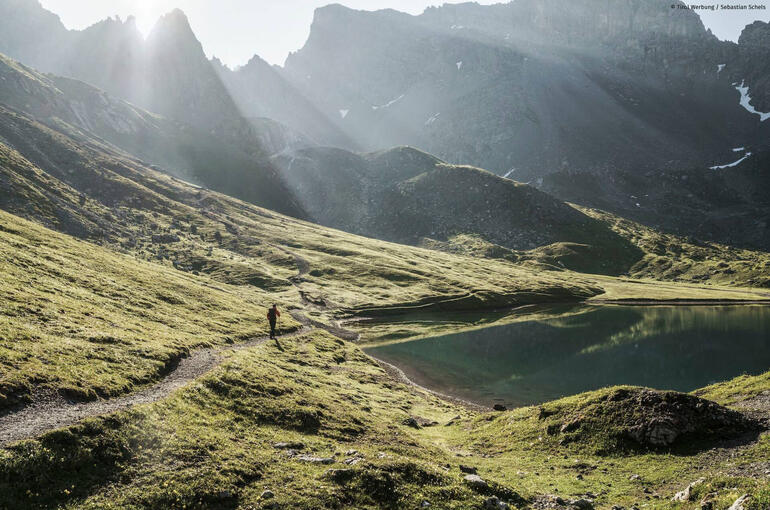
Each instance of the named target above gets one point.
<point>494,503</point>
<point>550,501</point>
<point>475,482</point>
<point>582,504</point>
<point>739,503</point>
<point>686,493</point>
<point>411,422</point>
<point>315,460</point>
<point>292,445</point>
<point>646,418</point>
<point>657,432</point>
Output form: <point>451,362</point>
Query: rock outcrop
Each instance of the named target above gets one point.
<point>630,419</point>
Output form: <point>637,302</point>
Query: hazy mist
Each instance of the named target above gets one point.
<point>234,30</point>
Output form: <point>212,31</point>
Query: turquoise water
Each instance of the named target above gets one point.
<point>680,348</point>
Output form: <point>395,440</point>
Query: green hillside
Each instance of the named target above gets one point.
<point>407,196</point>
<point>305,422</point>
<point>116,276</point>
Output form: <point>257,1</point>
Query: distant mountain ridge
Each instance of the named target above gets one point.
<point>627,106</point>
<point>85,112</point>
<point>166,73</point>
<point>535,86</point>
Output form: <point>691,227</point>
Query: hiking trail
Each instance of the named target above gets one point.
<point>50,410</point>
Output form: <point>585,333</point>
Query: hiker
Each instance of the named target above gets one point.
<point>272,318</point>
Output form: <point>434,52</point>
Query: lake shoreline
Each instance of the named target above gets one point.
<point>400,376</point>
<point>649,344</point>
<point>677,302</point>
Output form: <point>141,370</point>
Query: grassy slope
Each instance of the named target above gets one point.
<point>90,322</point>
<point>211,446</point>
<point>96,192</point>
<point>674,258</point>
<point>662,257</point>
<point>408,196</point>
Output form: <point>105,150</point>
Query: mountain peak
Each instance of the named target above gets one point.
<point>336,13</point>
<point>218,64</point>
<point>173,30</point>
<point>755,34</point>
<point>116,27</point>
<point>174,22</point>
<point>256,61</point>
<point>176,16</point>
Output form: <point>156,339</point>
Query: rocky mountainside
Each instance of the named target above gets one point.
<point>529,86</point>
<point>750,64</point>
<point>578,98</point>
<point>262,91</point>
<point>629,107</point>
<point>407,196</point>
<point>166,73</point>
<point>82,111</point>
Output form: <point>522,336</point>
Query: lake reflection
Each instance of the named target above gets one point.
<point>680,348</point>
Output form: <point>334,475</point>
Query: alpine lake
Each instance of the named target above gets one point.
<point>537,355</point>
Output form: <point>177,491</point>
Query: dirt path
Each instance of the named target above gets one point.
<point>318,304</point>
<point>50,410</point>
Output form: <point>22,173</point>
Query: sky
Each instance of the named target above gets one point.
<point>235,30</point>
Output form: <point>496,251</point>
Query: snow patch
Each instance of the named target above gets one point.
<point>389,103</point>
<point>459,65</point>
<point>344,113</point>
<point>509,173</point>
<point>739,149</point>
<point>433,119</point>
<point>720,67</point>
<point>193,185</point>
<point>746,102</point>
<point>730,165</point>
